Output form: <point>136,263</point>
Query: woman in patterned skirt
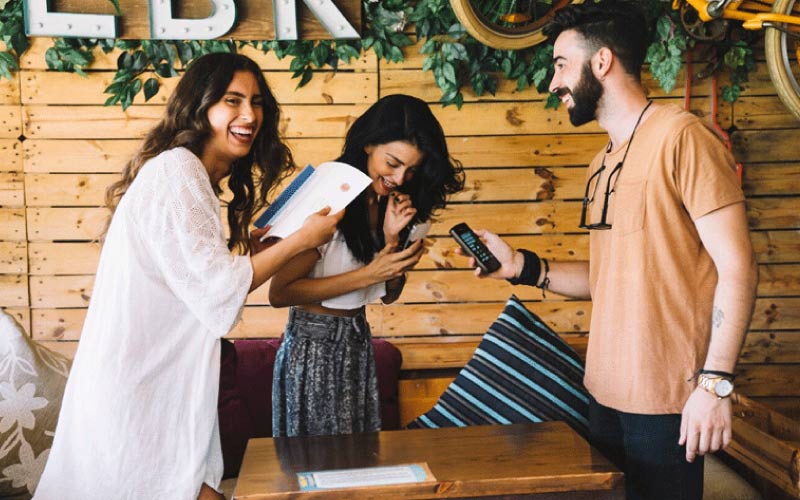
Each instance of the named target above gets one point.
<point>325,381</point>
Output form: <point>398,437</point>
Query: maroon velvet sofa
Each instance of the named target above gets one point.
<point>245,393</point>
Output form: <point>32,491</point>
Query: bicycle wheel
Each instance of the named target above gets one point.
<point>783,51</point>
<point>507,24</point>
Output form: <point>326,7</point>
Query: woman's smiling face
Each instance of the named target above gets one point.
<point>392,164</point>
<point>235,119</point>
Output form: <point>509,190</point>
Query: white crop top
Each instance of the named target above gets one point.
<point>337,259</point>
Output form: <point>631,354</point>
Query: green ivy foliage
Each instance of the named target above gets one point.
<point>455,59</point>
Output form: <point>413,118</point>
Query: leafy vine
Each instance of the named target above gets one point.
<point>455,59</point>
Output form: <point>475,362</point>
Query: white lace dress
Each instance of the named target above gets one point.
<point>139,416</point>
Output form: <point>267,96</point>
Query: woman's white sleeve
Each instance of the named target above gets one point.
<point>183,228</point>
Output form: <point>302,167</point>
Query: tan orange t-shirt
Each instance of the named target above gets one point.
<point>652,281</point>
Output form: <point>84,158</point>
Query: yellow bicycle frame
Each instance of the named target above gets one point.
<point>753,16</point>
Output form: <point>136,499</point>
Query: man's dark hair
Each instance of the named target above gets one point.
<point>618,25</point>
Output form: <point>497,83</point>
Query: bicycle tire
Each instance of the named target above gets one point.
<point>496,38</point>
<point>779,63</point>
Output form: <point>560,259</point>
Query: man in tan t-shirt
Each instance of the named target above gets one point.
<point>671,273</point>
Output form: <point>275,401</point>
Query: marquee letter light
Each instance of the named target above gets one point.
<point>165,27</point>
<point>285,12</point>
<point>40,22</point>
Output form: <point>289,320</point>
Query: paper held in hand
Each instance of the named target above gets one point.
<point>332,184</point>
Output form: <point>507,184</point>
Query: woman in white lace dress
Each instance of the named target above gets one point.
<point>138,419</point>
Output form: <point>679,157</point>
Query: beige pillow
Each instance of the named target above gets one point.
<point>32,380</point>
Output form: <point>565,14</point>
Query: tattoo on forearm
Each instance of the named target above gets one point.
<point>717,316</point>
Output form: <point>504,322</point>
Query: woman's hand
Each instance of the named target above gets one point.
<point>319,228</point>
<point>399,212</point>
<point>257,244</point>
<point>388,264</point>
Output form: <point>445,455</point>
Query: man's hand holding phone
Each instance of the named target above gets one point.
<point>505,256</point>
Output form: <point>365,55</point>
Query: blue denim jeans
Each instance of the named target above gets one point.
<point>646,448</point>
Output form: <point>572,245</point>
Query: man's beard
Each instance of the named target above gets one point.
<point>585,97</point>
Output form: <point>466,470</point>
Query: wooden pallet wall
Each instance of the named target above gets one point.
<point>60,148</point>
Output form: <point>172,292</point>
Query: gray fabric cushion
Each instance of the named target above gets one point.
<point>32,380</point>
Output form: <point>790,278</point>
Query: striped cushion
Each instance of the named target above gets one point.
<point>522,371</point>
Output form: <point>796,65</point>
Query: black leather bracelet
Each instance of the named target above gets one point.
<point>727,375</point>
<point>531,269</point>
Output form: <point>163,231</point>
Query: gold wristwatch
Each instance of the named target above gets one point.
<point>721,387</point>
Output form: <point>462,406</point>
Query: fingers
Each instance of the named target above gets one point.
<point>324,211</point>
<point>338,215</point>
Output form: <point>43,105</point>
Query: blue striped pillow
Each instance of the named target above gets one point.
<point>522,371</point>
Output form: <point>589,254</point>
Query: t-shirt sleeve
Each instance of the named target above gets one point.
<point>182,226</point>
<point>705,171</point>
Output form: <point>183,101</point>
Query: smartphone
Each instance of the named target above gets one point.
<point>474,247</point>
<point>417,232</point>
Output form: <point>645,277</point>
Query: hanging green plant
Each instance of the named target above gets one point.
<point>455,59</point>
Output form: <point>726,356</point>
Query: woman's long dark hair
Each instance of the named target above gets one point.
<point>398,118</point>
<point>185,123</point>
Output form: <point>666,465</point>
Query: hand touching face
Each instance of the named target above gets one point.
<point>399,213</point>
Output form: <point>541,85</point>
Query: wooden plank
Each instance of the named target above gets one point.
<point>10,155</point>
<point>13,257</point>
<point>441,250</point>
<point>327,87</point>
<point>253,21</point>
<point>773,347</point>
<point>89,122</point>
<point>774,213</point>
<point>87,156</point>
<point>34,58</point>
<point>13,290</point>
<point>481,185</point>
<point>9,90</point>
<point>57,324</point>
<point>526,150</point>
<point>776,313</point>
<point>66,223</point>
<point>771,179</point>
<point>404,320</point>
<point>257,322</point>
<point>12,193</point>
<point>72,223</point>
<point>762,112</point>
<point>534,184</point>
<point>63,258</point>
<point>789,407</point>
<point>442,323</point>
<point>397,79</point>
<point>757,145</point>
<point>776,246</point>
<point>42,190</point>
<point>768,380</point>
<point>12,224</point>
<point>101,122</point>
<point>778,280</point>
<point>61,291</point>
<point>105,156</point>
<point>512,218</point>
<point>10,121</point>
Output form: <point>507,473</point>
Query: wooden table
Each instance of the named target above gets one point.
<point>541,461</point>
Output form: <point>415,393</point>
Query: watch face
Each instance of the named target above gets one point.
<point>723,388</point>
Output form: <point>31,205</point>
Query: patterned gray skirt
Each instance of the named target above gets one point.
<point>325,381</point>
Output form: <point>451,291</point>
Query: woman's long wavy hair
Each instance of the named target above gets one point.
<point>185,124</point>
<point>393,118</point>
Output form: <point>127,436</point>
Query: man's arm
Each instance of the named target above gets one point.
<point>706,422</point>
<point>570,279</point>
